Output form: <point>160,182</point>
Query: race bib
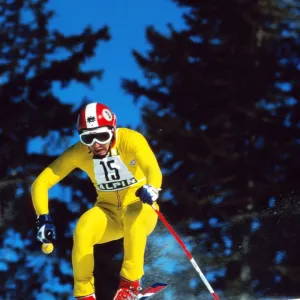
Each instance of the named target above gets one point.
<point>111,174</point>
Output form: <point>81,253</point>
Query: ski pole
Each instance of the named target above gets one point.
<point>188,254</point>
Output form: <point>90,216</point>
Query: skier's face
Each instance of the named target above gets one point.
<point>100,149</point>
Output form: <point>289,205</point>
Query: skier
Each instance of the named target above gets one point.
<point>121,165</point>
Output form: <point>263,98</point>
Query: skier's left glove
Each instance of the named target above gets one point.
<point>46,232</point>
<point>147,193</point>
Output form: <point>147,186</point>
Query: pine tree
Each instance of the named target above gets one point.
<point>223,114</point>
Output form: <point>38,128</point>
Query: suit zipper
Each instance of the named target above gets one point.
<point>119,200</point>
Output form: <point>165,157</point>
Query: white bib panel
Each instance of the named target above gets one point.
<point>111,174</point>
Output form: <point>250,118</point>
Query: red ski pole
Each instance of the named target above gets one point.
<point>188,254</point>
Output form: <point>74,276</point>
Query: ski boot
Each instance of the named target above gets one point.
<point>128,290</point>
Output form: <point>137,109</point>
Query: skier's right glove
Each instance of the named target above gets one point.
<point>46,232</point>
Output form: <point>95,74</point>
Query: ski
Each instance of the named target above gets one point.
<point>151,291</point>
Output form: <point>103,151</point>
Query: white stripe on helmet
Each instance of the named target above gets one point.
<point>91,116</point>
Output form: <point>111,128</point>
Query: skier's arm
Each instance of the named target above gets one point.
<point>147,161</point>
<point>51,175</point>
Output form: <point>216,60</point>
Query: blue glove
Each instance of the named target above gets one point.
<point>46,232</point>
<point>147,193</point>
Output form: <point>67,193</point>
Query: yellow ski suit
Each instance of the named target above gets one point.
<point>117,213</point>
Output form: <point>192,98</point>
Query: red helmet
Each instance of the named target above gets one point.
<point>95,115</point>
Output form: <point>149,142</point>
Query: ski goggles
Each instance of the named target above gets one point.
<point>102,135</point>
